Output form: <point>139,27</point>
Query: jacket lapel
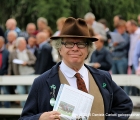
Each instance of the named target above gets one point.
<point>53,79</point>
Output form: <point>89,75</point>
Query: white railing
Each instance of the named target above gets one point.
<point>121,80</point>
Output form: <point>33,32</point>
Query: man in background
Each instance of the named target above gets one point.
<point>101,58</point>
<point>44,54</point>
<point>30,31</point>
<point>97,27</point>
<point>134,31</point>
<point>4,54</point>
<point>11,24</point>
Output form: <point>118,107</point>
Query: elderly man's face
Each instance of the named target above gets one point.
<point>22,45</point>
<point>73,56</point>
<point>31,29</point>
<point>89,21</point>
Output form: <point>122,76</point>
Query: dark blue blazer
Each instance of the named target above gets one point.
<point>5,56</point>
<point>38,101</point>
<point>44,60</point>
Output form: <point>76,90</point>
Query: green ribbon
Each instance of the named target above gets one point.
<point>104,85</point>
<point>53,87</point>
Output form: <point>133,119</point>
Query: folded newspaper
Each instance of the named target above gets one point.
<point>73,104</point>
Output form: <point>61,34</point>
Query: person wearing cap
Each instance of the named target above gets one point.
<point>73,45</point>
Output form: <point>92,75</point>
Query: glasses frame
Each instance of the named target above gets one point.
<point>75,43</point>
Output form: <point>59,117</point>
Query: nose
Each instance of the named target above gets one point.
<point>75,47</point>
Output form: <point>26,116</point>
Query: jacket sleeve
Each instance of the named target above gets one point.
<point>121,104</point>
<point>30,110</point>
<point>32,58</point>
<point>107,63</point>
<point>10,64</point>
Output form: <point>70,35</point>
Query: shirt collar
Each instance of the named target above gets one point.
<point>70,72</point>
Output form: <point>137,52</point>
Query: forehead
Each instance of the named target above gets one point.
<point>73,39</point>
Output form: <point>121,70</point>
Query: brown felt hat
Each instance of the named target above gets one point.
<point>75,28</point>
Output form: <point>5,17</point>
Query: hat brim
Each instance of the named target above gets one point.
<point>93,39</point>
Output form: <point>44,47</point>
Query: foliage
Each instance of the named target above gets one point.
<point>25,11</point>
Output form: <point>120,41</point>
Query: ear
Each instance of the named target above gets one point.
<point>59,51</point>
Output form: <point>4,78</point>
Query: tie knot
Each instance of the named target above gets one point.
<point>77,75</point>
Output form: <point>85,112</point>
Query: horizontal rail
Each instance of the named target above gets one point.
<point>13,97</point>
<point>122,80</point>
<point>10,111</point>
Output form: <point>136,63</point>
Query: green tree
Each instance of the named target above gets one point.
<point>25,11</point>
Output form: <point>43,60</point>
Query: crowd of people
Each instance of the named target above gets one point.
<point>32,52</point>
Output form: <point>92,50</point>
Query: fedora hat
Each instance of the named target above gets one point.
<point>76,28</point>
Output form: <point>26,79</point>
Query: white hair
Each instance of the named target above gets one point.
<point>18,40</point>
<point>42,19</point>
<point>89,15</point>
<point>13,32</point>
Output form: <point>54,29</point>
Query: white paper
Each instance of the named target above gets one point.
<point>116,37</point>
<point>17,61</point>
<point>72,102</point>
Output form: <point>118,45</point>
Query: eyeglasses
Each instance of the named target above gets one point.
<point>71,44</point>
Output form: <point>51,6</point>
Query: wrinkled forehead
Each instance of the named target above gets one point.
<point>74,39</point>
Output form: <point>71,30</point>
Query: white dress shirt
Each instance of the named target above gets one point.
<point>133,42</point>
<point>69,75</point>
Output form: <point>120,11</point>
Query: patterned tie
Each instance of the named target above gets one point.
<point>80,83</point>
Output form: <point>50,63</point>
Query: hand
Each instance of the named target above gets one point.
<point>52,115</point>
<point>115,44</point>
<point>96,65</point>
<point>24,64</point>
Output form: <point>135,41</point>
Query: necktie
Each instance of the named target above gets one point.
<point>0,59</point>
<point>80,83</point>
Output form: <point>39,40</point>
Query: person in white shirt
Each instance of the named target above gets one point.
<point>134,32</point>
<point>97,27</point>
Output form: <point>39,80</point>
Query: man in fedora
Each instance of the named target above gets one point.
<point>73,45</point>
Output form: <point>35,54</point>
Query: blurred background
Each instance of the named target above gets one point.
<point>25,11</point>
<point>25,30</point>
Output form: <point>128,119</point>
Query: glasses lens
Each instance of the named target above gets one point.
<point>81,45</point>
<point>69,45</point>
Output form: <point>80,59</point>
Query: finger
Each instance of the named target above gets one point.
<point>55,117</point>
<point>55,113</point>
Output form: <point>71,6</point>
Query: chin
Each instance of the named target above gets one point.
<point>75,61</point>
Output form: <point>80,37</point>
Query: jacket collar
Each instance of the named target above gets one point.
<point>54,72</point>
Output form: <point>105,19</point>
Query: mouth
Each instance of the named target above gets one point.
<point>75,55</point>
